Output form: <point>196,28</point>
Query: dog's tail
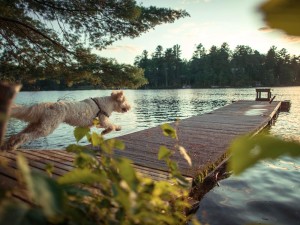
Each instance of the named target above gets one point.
<point>25,113</point>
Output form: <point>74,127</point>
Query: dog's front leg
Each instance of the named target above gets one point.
<point>109,127</point>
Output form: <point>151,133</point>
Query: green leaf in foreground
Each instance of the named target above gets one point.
<point>283,14</point>
<point>12,213</point>
<point>96,139</point>
<point>127,171</point>
<point>169,131</point>
<point>80,132</point>
<point>164,153</point>
<point>245,152</point>
<point>80,176</point>
<point>109,145</point>
<point>47,194</point>
<point>75,148</point>
<point>43,190</point>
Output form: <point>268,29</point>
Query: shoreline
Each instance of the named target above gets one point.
<point>163,88</point>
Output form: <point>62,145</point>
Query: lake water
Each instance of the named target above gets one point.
<point>268,193</point>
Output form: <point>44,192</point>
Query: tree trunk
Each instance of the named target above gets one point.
<point>7,95</point>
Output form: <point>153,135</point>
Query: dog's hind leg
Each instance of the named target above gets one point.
<point>31,132</point>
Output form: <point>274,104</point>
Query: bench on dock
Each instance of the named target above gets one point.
<point>260,91</point>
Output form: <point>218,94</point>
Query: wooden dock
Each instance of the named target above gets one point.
<point>205,137</point>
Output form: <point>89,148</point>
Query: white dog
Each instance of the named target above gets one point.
<point>44,118</point>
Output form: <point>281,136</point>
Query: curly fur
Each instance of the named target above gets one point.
<point>44,118</point>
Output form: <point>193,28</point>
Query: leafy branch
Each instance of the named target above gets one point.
<point>246,152</point>
<point>101,189</point>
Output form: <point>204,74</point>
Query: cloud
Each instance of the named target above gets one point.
<point>285,38</point>
<point>188,30</point>
<point>265,29</point>
<point>118,48</point>
<point>291,39</point>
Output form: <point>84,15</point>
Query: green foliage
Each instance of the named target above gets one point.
<point>45,32</point>
<point>53,40</point>
<point>246,152</point>
<point>91,71</point>
<point>42,190</point>
<point>168,130</point>
<point>283,15</point>
<point>80,132</point>
<point>82,175</point>
<point>101,189</point>
<point>166,154</point>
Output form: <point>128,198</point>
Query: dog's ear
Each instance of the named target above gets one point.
<point>117,95</point>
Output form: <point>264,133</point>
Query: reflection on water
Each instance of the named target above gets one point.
<point>268,193</point>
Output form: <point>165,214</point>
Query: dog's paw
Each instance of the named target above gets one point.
<point>106,131</point>
<point>118,128</point>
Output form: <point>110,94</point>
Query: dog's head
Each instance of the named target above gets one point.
<point>121,105</point>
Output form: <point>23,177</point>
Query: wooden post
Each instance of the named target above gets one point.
<point>7,95</point>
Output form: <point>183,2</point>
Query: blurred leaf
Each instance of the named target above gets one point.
<point>84,160</point>
<point>89,137</point>
<point>164,153</point>
<point>119,144</point>
<point>47,193</point>
<point>169,131</point>
<point>121,195</point>
<point>109,145</point>
<point>76,191</point>
<point>12,213</point>
<point>96,139</point>
<point>120,215</point>
<point>96,121</point>
<point>127,172</point>
<point>49,169</point>
<point>173,167</point>
<point>35,216</point>
<point>182,180</point>
<point>80,132</point>
<point>25,170</point>
<point>43,190</point>
<point>185,155</point>
<point>246,152</point>
<point>75,148</point>
<point>80,176</point>
<point>283,14</point>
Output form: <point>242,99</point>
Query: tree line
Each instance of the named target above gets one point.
<point>219,67</point>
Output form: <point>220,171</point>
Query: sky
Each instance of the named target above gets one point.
<point>211,22</point>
